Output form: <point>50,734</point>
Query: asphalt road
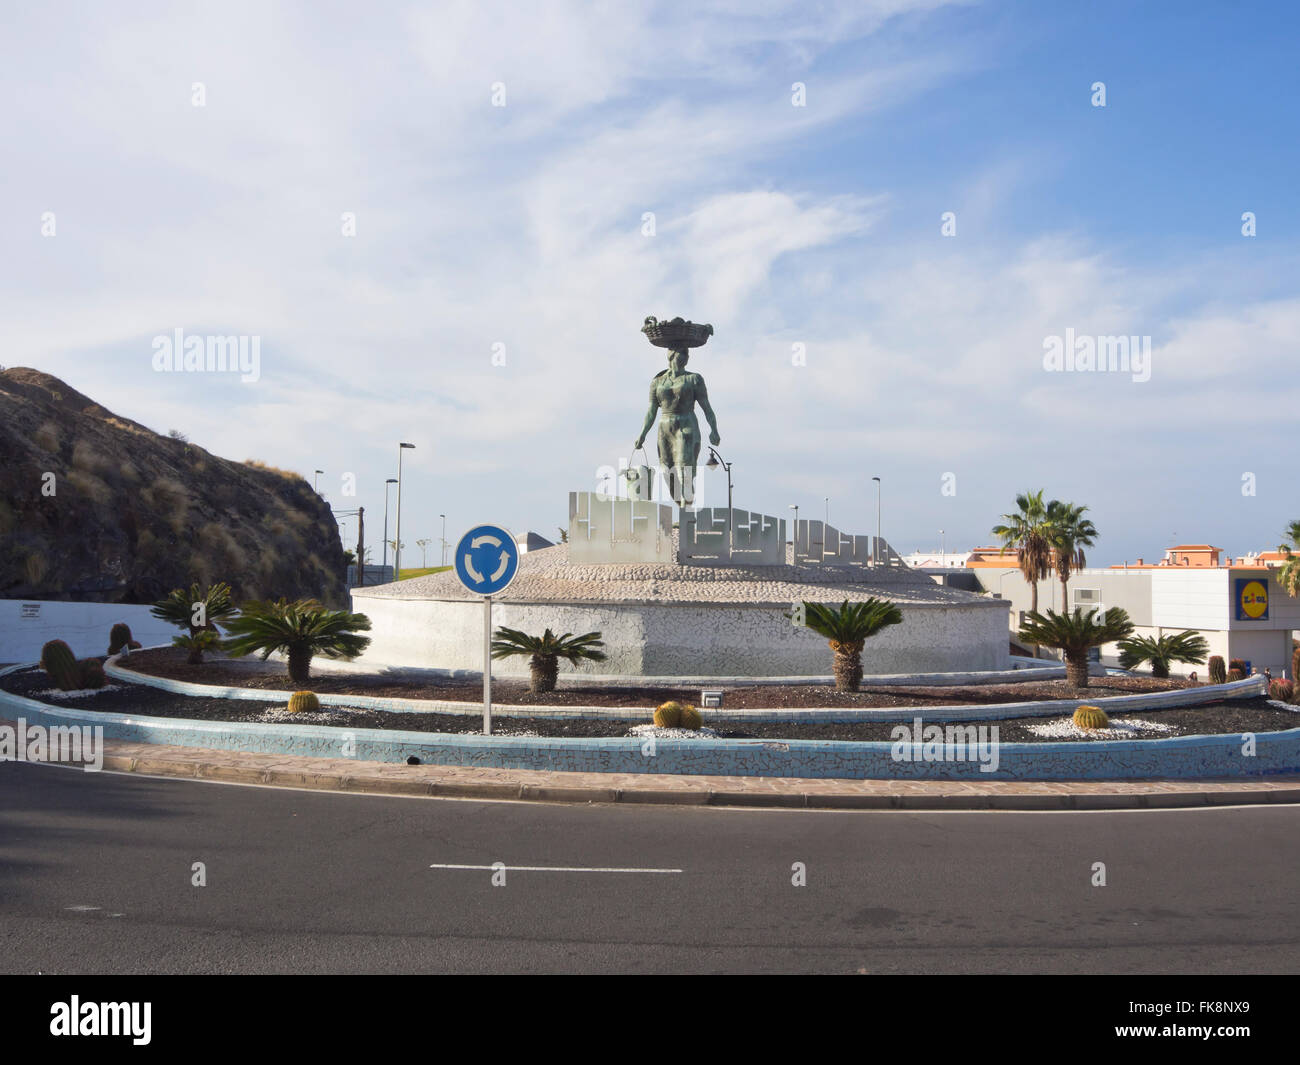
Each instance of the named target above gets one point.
<point>96,870</point>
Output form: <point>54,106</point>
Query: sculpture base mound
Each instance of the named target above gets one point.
<point>670,620</point>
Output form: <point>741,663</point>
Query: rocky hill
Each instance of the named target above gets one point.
<point>97,507</point>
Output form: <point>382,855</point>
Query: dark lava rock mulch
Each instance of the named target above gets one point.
<point>170,662</point>
<point>1238,716</point>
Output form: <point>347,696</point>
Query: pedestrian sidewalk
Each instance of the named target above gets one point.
<point>384,778</point>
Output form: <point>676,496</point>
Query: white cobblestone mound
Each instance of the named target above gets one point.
<point>547,576</point>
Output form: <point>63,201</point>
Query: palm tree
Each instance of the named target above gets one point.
<point>1023,530</point>
<point>847,628</point>
<point>302,630</point>
<point>197,610</point>
<point>545,652</point>
<point>1160,651</point>
<point>1068,532</point>
<point>1289,576</point>
<point>423,545</point>
<point>1074,634</point>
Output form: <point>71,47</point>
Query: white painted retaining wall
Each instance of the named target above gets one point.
<point>84,626</point>
<point>715,639</point>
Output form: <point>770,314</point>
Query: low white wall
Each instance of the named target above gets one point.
<point>27,624</point>
<point>674,640</point>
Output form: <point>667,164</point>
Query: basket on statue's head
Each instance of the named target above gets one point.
<point>676,334</point>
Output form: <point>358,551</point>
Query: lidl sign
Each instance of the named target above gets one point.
<point>1252,599</point>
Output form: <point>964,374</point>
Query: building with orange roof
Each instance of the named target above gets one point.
<point>1238,606</point>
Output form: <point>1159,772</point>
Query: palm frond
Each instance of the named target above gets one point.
<point>302,626</point>
<point>851,623</point>
<point>177,607</point>
<point>1075,632</point>
<point>1160,651</point>
<point>508,642</point>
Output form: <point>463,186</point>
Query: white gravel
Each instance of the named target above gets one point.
<point>335,715</point>
<point>341,715</point>
<point>80,693</point>
<point>641,731</point>
<point>1121,728</point>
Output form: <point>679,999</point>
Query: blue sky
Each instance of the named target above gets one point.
<point>818,225</point>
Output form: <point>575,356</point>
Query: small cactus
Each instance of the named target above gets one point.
<point>303,702</point>
<point>1281,690</point>
<point>1218,674</point>
<point>119,639</point>
<point>1239,664</point>
<point>1236,674</point>
<point>91,672</point>
<point>61,665</point>
<point>669,715</point>
<point>691,718</point>
<point>1091,717</point>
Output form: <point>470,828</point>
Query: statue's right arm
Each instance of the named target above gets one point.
<point>649,417</point>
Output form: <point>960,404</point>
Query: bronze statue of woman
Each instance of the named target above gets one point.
<point>673,395</point>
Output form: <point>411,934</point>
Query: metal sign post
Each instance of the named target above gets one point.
<point>487,665</point>
<point>487,559</point>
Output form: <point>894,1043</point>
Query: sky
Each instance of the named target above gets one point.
<point>527,182</point>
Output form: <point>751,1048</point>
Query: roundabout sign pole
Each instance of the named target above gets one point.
<point>487,559</point>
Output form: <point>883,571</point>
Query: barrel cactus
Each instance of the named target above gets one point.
<point>1091,717</point>
<point>1236,674</point>
<point>690,718</point>
<point>119,639</point>
<point>1218,672</point>
<point>91,673</point>
<point>1239,664</point>
<point>1281,690</point>
<point>300,702</point>
<point>61,665</point>
<point>669,715</point>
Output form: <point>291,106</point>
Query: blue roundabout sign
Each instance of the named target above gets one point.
<point>487,559</point>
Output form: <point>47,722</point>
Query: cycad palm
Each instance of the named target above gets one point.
<point>847,628</point>
<point>301,630</point>
<point>1160,651</point>
<point>1074,634</point>
<point>545,652</point>
<point>198,610</point>
<point>1068,532</point>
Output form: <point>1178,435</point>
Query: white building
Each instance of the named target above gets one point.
<point>1241,610</point>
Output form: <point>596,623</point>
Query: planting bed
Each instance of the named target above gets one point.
<point>170,662</point>
<point>1231,717</point>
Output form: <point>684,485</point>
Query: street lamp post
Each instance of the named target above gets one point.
<point>397,537</point>
<point>794,535</point>
<point>315,482</point>
<point>875,547</point>
<point>715,460</point>
<point>391,480</point>
<point>942,552</point>
<point>444,538</point>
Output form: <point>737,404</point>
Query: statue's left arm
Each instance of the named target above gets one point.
<point>702,398</point>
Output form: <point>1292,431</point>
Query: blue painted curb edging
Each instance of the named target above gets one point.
<point>1188,757</point>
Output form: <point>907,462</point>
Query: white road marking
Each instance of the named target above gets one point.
<point>551,869</point>
<point>81,909</point>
